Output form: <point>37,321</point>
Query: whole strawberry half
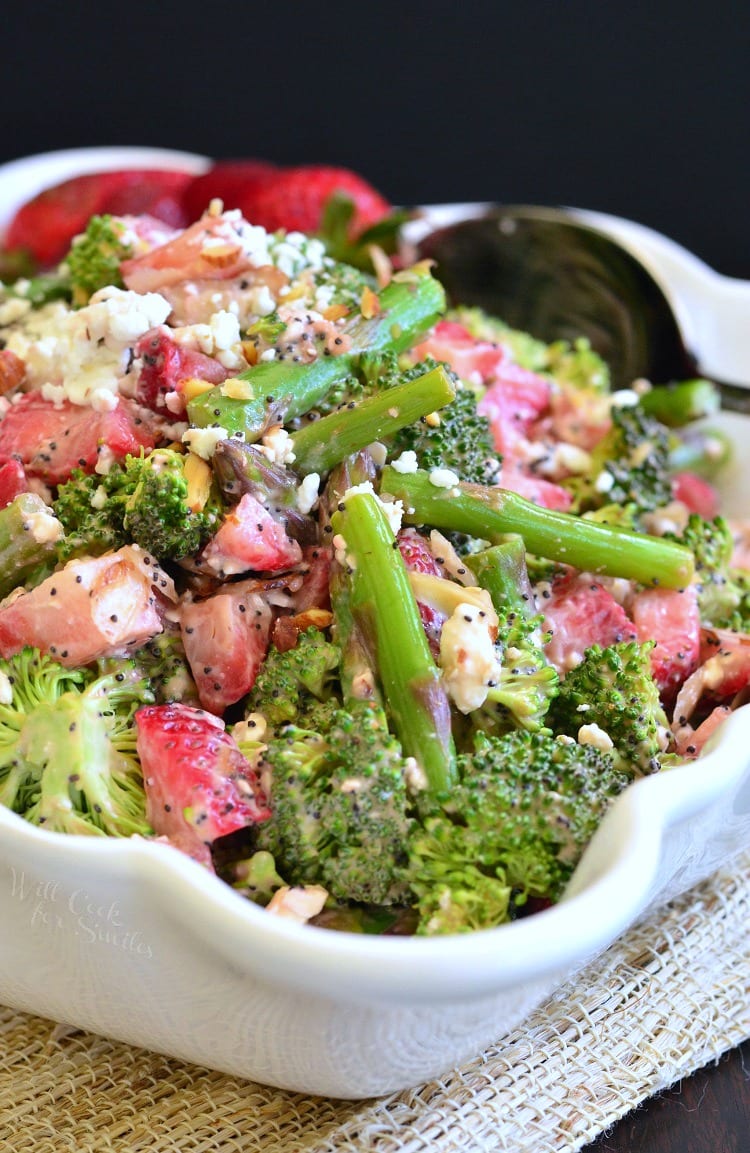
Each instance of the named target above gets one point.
<point>296,198</point>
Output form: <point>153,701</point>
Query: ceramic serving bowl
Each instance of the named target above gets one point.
<point>135,941</point>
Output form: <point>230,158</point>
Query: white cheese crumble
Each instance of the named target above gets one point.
<point>44,527</point>
<point>278,446</point>
<point>6,689</point>
<point>407,462</point>
<point>203,441</point>
<point>596,736</point>
<point>393,509</point>
<point>307,493</point>
<point>624,398</point>
<point>468,657</point>
<point>443,478</point>
<point>80,354</point>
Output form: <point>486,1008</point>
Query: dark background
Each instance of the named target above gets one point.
<point>639,109</point>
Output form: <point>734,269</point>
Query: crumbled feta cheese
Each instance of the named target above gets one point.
<point>44,527</point>
<point>278,446</point>
<point>468,657</point>
<point>393,509</point>
<point>604,482</point>
<point>407,462</point>
<point>99,497</point>
<point>443,478</point>
<point>6,689</point>
<point>307,493</point>
<point>203,441</point>
<point>269,354</point>
<point>594,735</point>
<point>624,398</point>
<point>260,301</point>
<point>13,309</point>
<point>414,775</point>
<point>80,354</point>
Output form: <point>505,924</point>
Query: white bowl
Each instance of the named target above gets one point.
<point>135,941</point>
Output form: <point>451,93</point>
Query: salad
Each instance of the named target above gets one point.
<point>368,603</point>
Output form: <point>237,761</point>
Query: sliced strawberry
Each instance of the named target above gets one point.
<point>235,182</point>
<point>696,494</point>
<point>535,488</point>
<point>53,439</point>
<point>671,618</point>
<point>250,540</point>
<point>92,608</point>
<point>166,364</point>
<point>46,225</point>
<point>199,786</point>
<point>295,199</point>
<point>473,360</point>
<point>12,480</point>
<point>418,558</point>
<point>225,638</point>
<point>580,612</point>
<point>211,249</point>
<point>314,591</point>
<point>512,404</point>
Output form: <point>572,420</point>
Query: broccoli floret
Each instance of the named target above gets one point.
<point>256,877</point>
<point>629,465</point>
<point>91,509</point>
<point>68,756</point>
<point>614,689</point>
<point>526,685</point>
<point>513,829</point>
<point>151,500</point>
<point>95,257</point>
<point>723,591</point>
<point>289,682</point>
<point>460,440</point>
<point>339,805</point>
<point>162,660</point>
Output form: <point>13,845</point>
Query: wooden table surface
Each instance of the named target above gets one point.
<point>708,1113</point>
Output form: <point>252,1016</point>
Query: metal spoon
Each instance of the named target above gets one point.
<point>544,271</point>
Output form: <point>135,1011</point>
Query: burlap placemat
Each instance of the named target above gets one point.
<point>669,997</point>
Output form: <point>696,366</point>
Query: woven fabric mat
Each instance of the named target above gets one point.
<point>669,997</point>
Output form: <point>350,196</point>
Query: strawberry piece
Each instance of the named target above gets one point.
<point>249,539</point>
<point>93,607</point>
<point>225,638</point>
<point>296,197</point>
<point>418,558</point>
<point>580,612</point>
<point>166,364</point>
<point>696,494</point>
<point>46,225</point>
<point>235,182</point>
<point>12,481</point>
<point>199,786</point>
<point>53,439</point>
<point>671,618</point>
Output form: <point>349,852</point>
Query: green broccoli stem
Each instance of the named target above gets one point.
<point>488,512</point>
<point>501,570</point>
<point>323,443</point>
<point>279,390</point>
<point>386,613</point>
<point>28,537</point>
<point>681,402</point>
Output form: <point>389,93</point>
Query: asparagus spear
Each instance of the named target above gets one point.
<point>276,391</point>
<point>677,404</point>
<point>488,512</point>
<point>323,443</point>
<point>28,537</point>
<point>501,570</point>
<point>386,613</point>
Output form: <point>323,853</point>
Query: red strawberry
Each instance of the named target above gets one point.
<point>671,618</point>
<point>580,612</point>
<point>199,786</point>
<point>166,364</point>
<point>295,198</point>
<point>52,439</point>
<point>236,182</point>
<point>47,224</point>
<point>250,540</point>
<point>12,480</point>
